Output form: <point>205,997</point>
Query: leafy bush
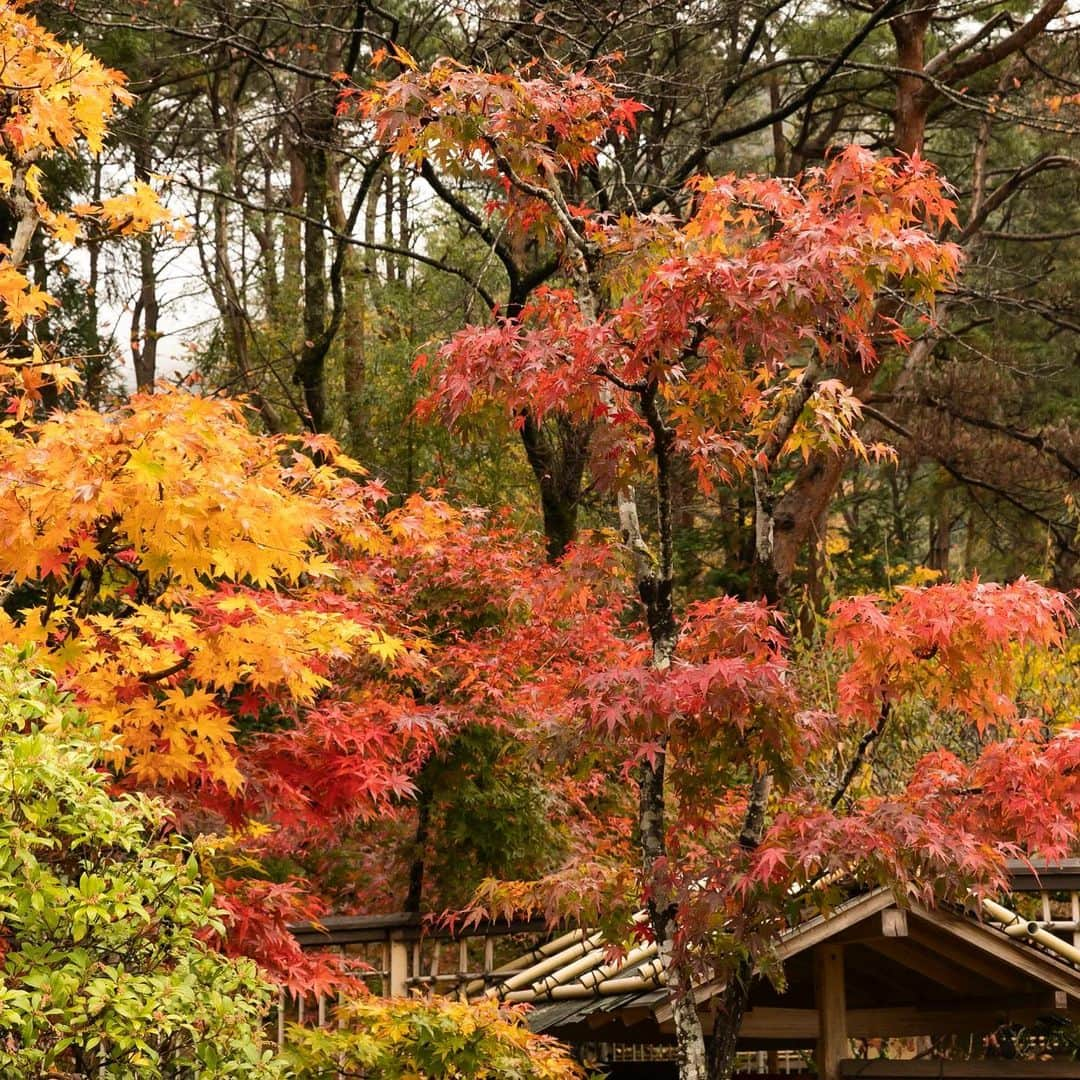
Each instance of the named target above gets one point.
<point>439,1039</point>
<point>104,918</point>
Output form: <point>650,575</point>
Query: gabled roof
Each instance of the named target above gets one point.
<point>906,966</point>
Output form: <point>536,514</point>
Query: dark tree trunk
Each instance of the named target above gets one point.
<point>728,1020</point>
<point>310,373</point>
<point>415,895</point>
<point>558,452</point>
<point>144,319</point>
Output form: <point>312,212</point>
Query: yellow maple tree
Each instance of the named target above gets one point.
<point>163,557</point>
<point>57,100</point>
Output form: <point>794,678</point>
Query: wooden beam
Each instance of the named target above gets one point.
<point>1035,965</point>
<point>1041,876</point>
<point>990,1069</point>
<point>929,964</point>
<point>822,928</point>
<point>996,970</point>
<point>894,923</point>
<point>832,1044</point>
<point>907,1022</point>
<point>773,1023</point>
<point>970,1016</point>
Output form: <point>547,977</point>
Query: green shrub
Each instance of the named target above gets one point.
<point>103,966</point>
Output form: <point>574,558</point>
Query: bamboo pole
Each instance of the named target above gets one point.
<point>1017,927</point>
<point>551,963</point>
<point>647,978</point>
<point>567,974</point>
<point>520,962</point>
<point>524,965</point>
<point>609,971</point>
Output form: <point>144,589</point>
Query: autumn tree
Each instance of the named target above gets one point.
<point>108,928</point>
<point>764,87</point>
<point>58,99</point>
<point>709,335</point>
<point>171,568</point>
<point>283,658</point>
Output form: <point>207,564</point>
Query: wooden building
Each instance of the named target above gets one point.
<point>871,970</point>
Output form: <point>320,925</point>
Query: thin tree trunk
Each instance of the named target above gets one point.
<point>728,1020</point>
<point>96,364</point>
<point>354,336</point>
<point>940,533</point>
<point>414,897</point>
<point>655,582</point>
<point>736,996</point>
<point>310,373</point>
<point>144,319</point>
<point>292,273</point>
<point>218,270</point>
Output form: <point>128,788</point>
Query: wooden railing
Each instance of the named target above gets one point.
<point>401,954</point>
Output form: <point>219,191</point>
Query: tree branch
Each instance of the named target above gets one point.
<point>1057,528</point>
<point>683,171</point>
<point>1015,41</point>
<point>859,757</point>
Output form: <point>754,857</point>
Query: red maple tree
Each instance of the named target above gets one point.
<point>719,335</point>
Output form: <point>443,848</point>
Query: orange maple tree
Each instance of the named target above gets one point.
<point>165,556</point>
<point>170,569</point>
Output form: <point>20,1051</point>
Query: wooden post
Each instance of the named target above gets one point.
<point>832,1044</point>
<point>399,968</point>
<point>894,922</point>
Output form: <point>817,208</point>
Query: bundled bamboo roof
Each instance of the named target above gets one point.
<point>913,970</point>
